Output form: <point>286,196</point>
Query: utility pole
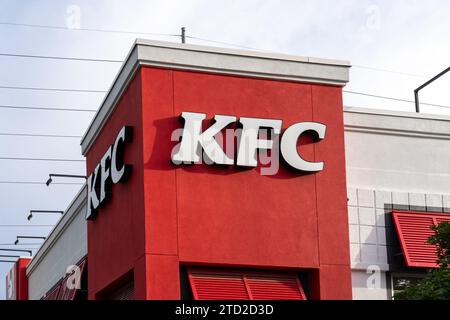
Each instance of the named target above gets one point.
<point>183,35</point>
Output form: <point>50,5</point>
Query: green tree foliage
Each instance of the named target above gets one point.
<point>436,285</point>
<point>441,239</point>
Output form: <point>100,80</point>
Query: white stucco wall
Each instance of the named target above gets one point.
<point>397,151</point>
<point>394,161</point>
<point>65,246</point>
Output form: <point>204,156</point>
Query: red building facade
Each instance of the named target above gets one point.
<point>167,223</point>
<point>16,280</point>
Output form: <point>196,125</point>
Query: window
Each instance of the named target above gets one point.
<point>126,292</point>
<point>209,284</point>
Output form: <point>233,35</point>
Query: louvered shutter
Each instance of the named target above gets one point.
<point>275,287</point>
<point>126,292</point>
<point>53,293</point>
<point>209,284</point>
<point>414,230</point>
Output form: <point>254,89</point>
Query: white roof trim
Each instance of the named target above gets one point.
<point>390,122</point>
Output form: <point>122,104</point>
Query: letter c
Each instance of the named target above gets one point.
<point>119,170</point>
<point>288,145</point>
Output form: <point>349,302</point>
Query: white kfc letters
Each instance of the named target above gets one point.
<point>110,170</point>
<point>194,141</point>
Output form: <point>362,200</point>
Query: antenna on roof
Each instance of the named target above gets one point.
<point>183,35</point>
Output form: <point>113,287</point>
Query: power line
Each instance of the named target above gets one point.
<point>122,32</point>
<point>353,65</point>
<point>51,89</point>
<point>390,71</point>
<point>201,39</point>
<point>42,159</point>
<point>39,135</point>
<point>196,38</point>
<point>159,34</point>
<point>88,29</point>
<point>46,109</point>
<point>20,244</point>
<point>190,37</point>
<point>100,91</point>
<point>376,96</point>
<point>147,33</point>
<point>38,183</point>
<point>24,248</point>
<point>396,72</point>
<point>25,225</point>
<point>17,55</point>
<point>394,99</point>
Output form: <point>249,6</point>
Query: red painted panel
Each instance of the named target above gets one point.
<point>332,282</point>
<point>228,215</point>
<point>158,123</point>
<point>163,277</point>
<point>116,237</point>
<point>21,278</point>
<point>208,284</point>
<point>414,229</point>
<point>334,244</point>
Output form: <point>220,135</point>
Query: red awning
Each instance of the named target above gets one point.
<point>53,293</point>
<point>210,284</point>
<point>414,229</point>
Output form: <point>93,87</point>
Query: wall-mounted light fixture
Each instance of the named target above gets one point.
<point>57,175</point>
<point>27,237</point>
<point>17,250</point>
<point>9,256</point>
<point>34,212</point>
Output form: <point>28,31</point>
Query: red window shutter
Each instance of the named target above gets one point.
<point>53,293</point>
<point>209,284</point>
<point>275,287</point>
<point>414,229</point>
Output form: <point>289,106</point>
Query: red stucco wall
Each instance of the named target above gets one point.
<point>116,237</point>
<point>165,215</point>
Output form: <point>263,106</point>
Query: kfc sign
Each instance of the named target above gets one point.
<point>110,170</point>
<point>254,135</point>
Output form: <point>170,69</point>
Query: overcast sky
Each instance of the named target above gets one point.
<point>408,38</point>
